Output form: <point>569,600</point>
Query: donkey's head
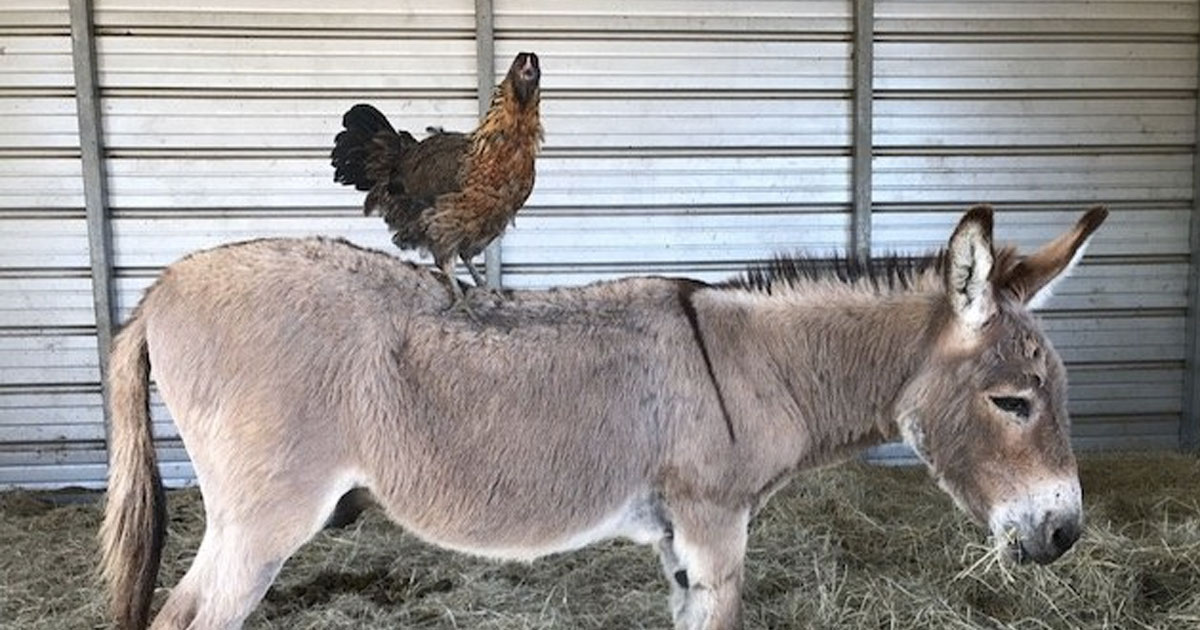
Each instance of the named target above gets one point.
<point>987,410</point>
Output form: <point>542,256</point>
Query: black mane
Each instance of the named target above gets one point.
<point>891,271</point>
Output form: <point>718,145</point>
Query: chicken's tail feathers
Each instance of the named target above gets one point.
<point>367,148</point>
<point>366,118</point>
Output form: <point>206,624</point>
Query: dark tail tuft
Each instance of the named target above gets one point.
<point>355,147</point>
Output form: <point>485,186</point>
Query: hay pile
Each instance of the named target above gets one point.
<point>851,547</point>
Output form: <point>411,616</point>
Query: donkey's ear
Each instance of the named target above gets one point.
<point>969,260</point>
<point>1032,279</point>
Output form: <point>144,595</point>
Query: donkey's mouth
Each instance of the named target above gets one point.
<point>1018,553</point>
<point>1041,523</point>
<point>1053,539</point>
<point>1023,555</point>
<point>1010,545</point>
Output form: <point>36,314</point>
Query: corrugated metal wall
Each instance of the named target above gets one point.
<point>50,422</point>
<point>682,137</point>
<point>1044,108</point>
<point>219,121</point>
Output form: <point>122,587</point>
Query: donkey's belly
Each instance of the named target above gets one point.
<point>639,518</point>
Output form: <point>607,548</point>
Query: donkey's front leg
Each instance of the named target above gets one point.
<point>703,557</point>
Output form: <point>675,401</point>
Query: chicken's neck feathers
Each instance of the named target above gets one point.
<point>507,121</point>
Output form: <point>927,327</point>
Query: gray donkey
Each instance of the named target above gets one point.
<point>660,410</point>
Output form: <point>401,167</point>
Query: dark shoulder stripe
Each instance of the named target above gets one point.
<point>685,288</point>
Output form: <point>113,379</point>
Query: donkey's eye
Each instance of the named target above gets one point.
<point>1013,404</point>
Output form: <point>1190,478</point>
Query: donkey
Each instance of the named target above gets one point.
<point>665,411</point>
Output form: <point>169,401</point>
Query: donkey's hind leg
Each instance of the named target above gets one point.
<point>225,582</point>
<point>240,555</point>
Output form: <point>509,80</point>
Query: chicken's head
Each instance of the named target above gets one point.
<point>525,74</point>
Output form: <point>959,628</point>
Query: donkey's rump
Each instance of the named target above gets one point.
<point>311,358</point>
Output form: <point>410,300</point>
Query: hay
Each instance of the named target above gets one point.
<point>850,547</point>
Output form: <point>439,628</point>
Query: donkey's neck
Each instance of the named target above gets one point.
<point>812,378</point>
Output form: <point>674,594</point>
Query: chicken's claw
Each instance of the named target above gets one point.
<point>460,305</point>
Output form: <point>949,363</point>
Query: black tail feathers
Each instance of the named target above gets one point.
<point>353,149</point>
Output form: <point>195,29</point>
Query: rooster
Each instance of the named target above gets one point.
<point>452,193</point>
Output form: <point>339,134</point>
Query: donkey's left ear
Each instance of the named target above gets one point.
<point>1032,279</point>
<point>969,266</point>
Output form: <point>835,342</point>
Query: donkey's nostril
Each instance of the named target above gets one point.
<point>1064,537</point>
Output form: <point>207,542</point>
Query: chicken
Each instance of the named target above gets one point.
<point>452,193</point>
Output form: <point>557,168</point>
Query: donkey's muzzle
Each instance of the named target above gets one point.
<point>1051,540</point>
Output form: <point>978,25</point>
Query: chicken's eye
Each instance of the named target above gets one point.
<point>1015,405</point>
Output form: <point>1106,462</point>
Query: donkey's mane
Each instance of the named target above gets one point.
<point>890,272</point>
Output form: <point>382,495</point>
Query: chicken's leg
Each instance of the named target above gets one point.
<point>457,297</point>
<point>475,275</point>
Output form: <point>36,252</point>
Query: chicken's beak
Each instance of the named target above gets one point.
<point>526,74</point>
<point>529,70</point>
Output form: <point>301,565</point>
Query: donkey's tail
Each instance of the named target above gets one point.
<point>135,513</point>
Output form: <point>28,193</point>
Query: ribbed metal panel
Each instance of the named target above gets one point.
<point>1044,108</point>
<point>1031,17</point>
<point>1034,65</point>
<point>297,63</point>
<point>218,122</point>
<point>697,122</point>
<point>412,18</point>
<point>708,19</point>
<point>683,137</point>
<point>150,126</point>
<point>49,391</point>
<point>963,121</point>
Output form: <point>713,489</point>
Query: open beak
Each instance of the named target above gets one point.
<point>525,74</point>
<point>528,69</point>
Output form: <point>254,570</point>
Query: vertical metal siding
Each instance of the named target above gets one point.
<point>1044,108</point>
<point>218,123</point>
<point>49,394</point>
<point>682,137</point>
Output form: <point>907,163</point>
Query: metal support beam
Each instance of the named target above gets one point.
<point>864,89</point>
<point>485,70</point>
<point>1189,422</point>
<point>95,195</point>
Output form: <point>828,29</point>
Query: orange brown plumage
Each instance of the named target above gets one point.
<point>451,193</point>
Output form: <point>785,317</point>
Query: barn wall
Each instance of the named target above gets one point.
<point>219,121</point>
<point>682,138</point>
<point>1043,109</point>
<point>51,429</point>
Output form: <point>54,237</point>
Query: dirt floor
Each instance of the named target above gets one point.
<point>850,547</point>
